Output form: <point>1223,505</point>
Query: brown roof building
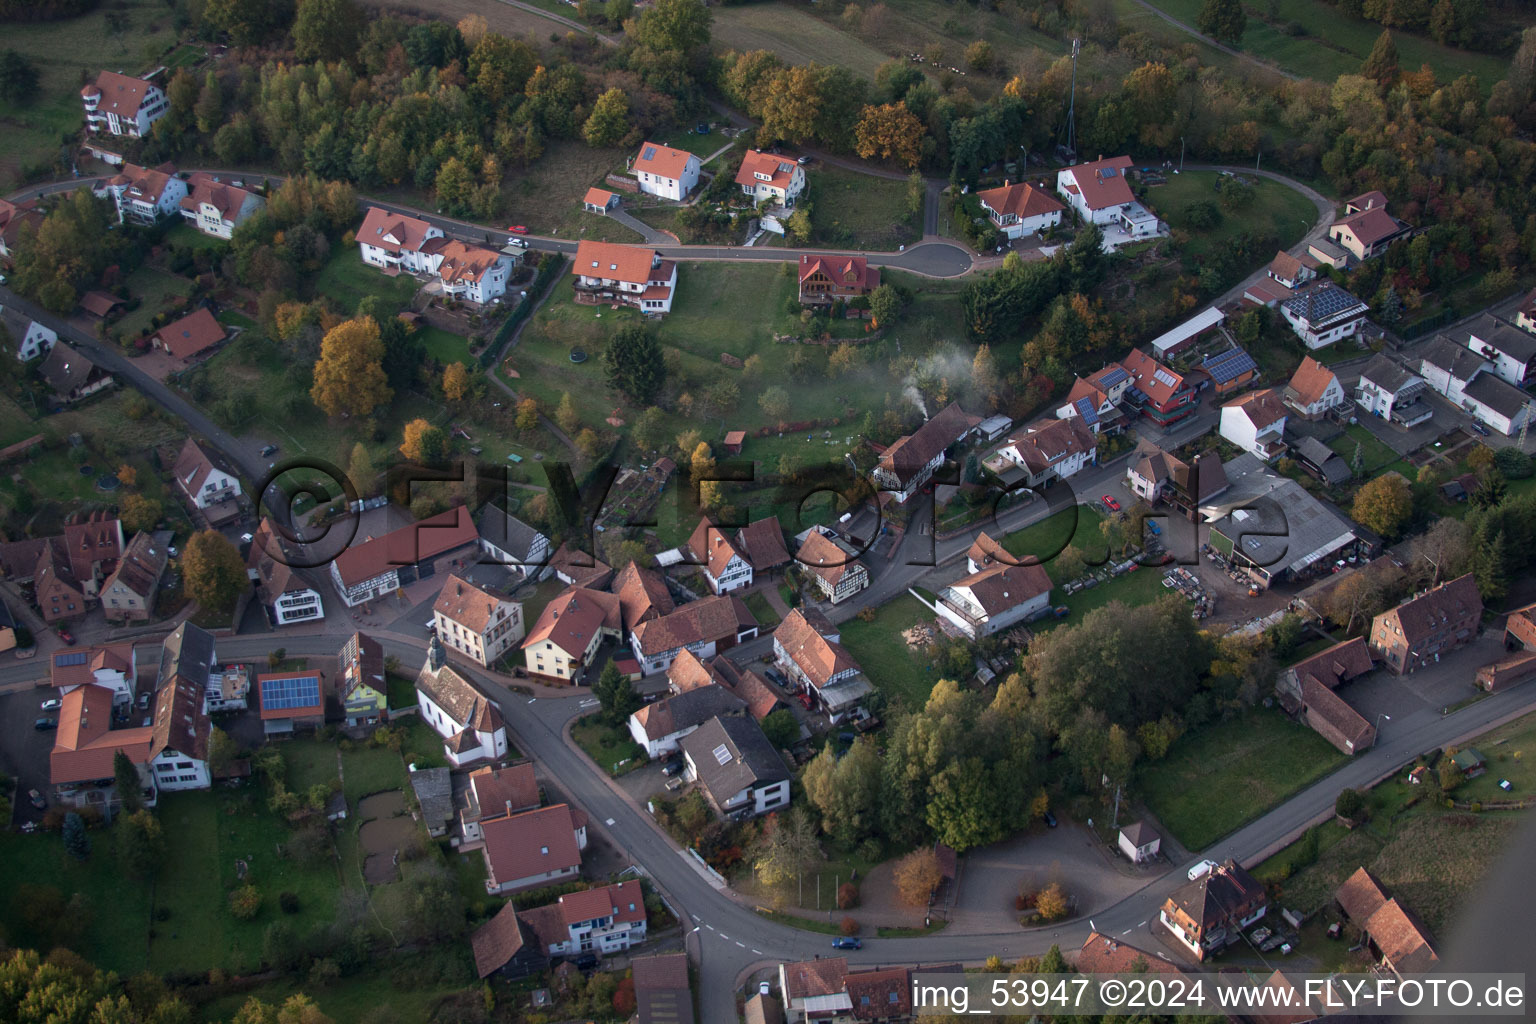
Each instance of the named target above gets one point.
<point>502,947</point>
<point>480,623</point>
<point>724,565</point>
<point>1101,954</point>
<point>128,595</point>
<point>1389,928</point>
<point>707,627</point>
<point>662,993</point>
<point>580,569</point>
<point>827,278</point>
<point>642,594</point>
<point>1209,913</point>
<point>834,569</point>
<point>911,461</point>
<point>762,542</point>
<point>1361,895</point>
<point>71,376</point>
<point>190,336</point>
<point>1313,389</point>
<point>566,636</point>
<point>534,848</point>
<point>1424,627</point>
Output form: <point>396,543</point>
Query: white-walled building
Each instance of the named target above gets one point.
<point>1387,390</point>
<point>833,566</point>
<point>481,625</point>
<point>627,274</point>
<point>665,172</point>
<point>393,241</point>
<point>510,542</point>
<point>1313,390</point>
<point>1018,210</point>
<point>216,208</point>
<point>706,627</point>
<point>1324,313</point>
<point>531,849</point>
<point>1510,351</point>
<point>769,176</point>
<point>468,721</point>
<point>1472,383</point>
<point>1052,449</point>
<point>143,195</point>
<point>660,725</point>
<point>996,598</point>
<point>1256,423</point>
<point>737,767</point>
<point>605,920</point>
<point>564,641</point>
<point>722,562</point>
<point>111,666</point>
<point>287,596</point>
<point>1097,190</point>
<point>30,338</point>
<point>121,105</point>
<point>204,484</point>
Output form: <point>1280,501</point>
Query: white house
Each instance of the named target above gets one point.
<point>30,338</point>
<point>564,640</point>
<point>1313,390</point>
<point>1139,842</point>
<point>1292,271</point>
<point>1052,449</point>
<point>1471,382</point>
<point>1097,190</point>
<point>1256,423</point>
<point>736,766</point>
<point>1324,313</point>
<point>381,565</point>
<point>1387,390</point>
<point>509,541</point>
<point>110,666</point>
<point>605,920</point>
<point>665,172</point>
<point>722,562</point>
<point>204,483</point>
<point>1018,210</point>
<point>471,272</point>
<point>834,566</point>
<point>660,725</point>
<point>910,461</point>
<point>706,627</point>
<point>996,598</point>
<point>143,196</point>
<point>768,176</point>
<point>1510,351</point>
<point>215,208</point>
<point>531,849</point>
<point>120,105</point>
<point>627,274</point>
<point>393,241</point>
<point>469,721</point>
<point>285,594</point>
<point>478,623</point>
<point>808,648</point>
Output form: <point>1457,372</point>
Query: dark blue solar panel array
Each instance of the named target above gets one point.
<point>1328,301</point>
<point>73,658</point>
<point>1085,408</point>
<point>1229,365</point>
<point>1113,377</point>
<point>282,694</point>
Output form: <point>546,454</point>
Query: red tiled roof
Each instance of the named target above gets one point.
<point>1403,941</point>
<point>495,788</point>
<point>1370,226</point>
<point>613,901</point>
<point>669,971</point>
<point>844,271</point>
<point>1310,381</point>
<point>191,334</point>
<point>762,542</point>
<point>140,568</point>
<point>468,605</point>
<point>887,992</point>
<point>193,467</point>
<point>1261,407</point>
<point>1003,586</point>
<point>819,555</point>
<point>1101,954</point>
<point>809,978</point>
<point>99,303</point>
<point>1048,442</point>
<point>573,618</point>
<point>227,199</point>
<point>85,744</point>
<point>582,569</point>
<point>392,232</point>
<point>118,657</point>
<point>687,672</point>
<point>408,545</point>
<point>780,170</point>
<point>1360,896</point>
<point>120,94</point>
<point>597,197</point>
<point>819,658</point>
<point>532,843</point>
<point>1153,379</point>
<point>1427,613</point>
<point>1021,200</point>
<point>713,618</point>
<point>1338,664</point>
<point>663,161</point>
<point>1101,190</point>
<point>628,263</point>
<point>642,595</point>
<point>463,262</point>
<point>1521,624</point>
<point>710,546</point>
<point>497,941</point>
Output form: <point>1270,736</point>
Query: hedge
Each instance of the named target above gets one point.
<point>550,268</point>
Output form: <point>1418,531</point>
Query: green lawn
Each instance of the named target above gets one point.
<point>445,346</point>
<point>346,280</point>
<point>858,211</point>
<point>376,993</point>
<point>797,36</point>
<point>758,605</point>
<point>1276,210</point>
<point>154,288</point>
<point>1223,775</point>
<point>546,196</point>
<point>367,769</point>
<point>608,746</point>
<point>184,235</point>
<point>1374,455</point>
<point>1505,748</point>
<point>902,673</point>
<point>1078,526</point>
<point>1332,44</point>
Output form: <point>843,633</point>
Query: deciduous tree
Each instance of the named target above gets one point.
<point>424,442</point>
<point>609,122</point>
<point>140,843</point>
<point>889,132</point>
<point>326,29</point>
<point>527,419</point>
<point>917,875</point>
<point>616,695</point>
<point>141,513</point>
<point>455,382</point>
<point>349,376</point>
<point>1383,504</point>
<point>788,844</point>
<point>567,416</point>
<point>212,570</point>
<point>1223,20</point>
<point>18,78</point>
<point>774,401</point>
<point>126,783</point>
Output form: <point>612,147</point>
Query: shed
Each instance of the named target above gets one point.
<point>1470,761</point>
<point>434,792</point>
<point>734,440</point>
<point>1184,335</point>
<point>1139,842</point>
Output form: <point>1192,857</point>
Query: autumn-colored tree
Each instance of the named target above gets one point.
<point>455,382</point>
<point>140,513</point>
<point>423,442</point>
<point>1051,903</point>
<point>349,375</point>
<point>127,475</point>
<point>566,415</point>
<point>889,132</point>
<point>212,570</point>
<point>609,122</point>
<point>979,56</point>
<point>527,419</point>
<point>360,468</point>
<point>1223,20</point>
<point>985,378</point>
<point>589,443</point>
<point>917,875</point>
<point>775,403</point>
<point>843,360</point>
<point>1383,504</point>
<point>1381,66</point>
<point>624,998</point>
<point>1480,458</point>
<point>473,28</point>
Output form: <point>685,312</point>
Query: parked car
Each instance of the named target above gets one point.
<point>144,700</point>
<point>1157,531</point>
<point>1050,820</point>
<point>66,635</point>
<point>1114,506</point>
<point>672,768</point>
<point>803,161</point>
<point>586,962</point>
<point>269,450</point>
<point>52,705</point>
<point>44,724</point>
<point>847,943</point>
<point>36,800</point>
<point>1479,429</point>
<point>518,229</point>
<point>1203,868</point>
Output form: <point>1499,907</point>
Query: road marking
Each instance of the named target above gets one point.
<point>724,936</point>
<point>532,699</point>
<point>609,821</point>
<point>710,927</point>
<point>1126,932</point>
<point>758,952</point>
<point>742,945</point>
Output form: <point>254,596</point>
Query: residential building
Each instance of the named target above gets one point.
<point>190,336</point>
<point>723,564</point>
<point>1226,372</point>
<point>1471,382</point>
<point>532,849</point>
<point>1155,391</point>
<point>509,541</point>
<point>736,765</point>
<point>189,654</point>
<point>394,242</point>
<point>660,725</point>
<point>1096,399</point>
<point>1307,688</point>
<point>825,279</point>
<point>662,992</point>
<point>687,672</point>
<point>1208,914</point>
<point>995,599</point>
<point>1525,316</point>
<point>15,218</point>
<point>1051,450</point>
<point>1510,351</point>
<point>579,569</point>
<point>497,793</point>
<point>833,566</point>
<point>1323,313</point>
<point>1101,954</point>
<point>1174,341</point>
<point>66,570</point>
<point>1139,842</point>
<point>824,990</point>
<point>814,990</point>
<point>58,594</point>
<point>120,105</point>
<point>1325,252</point>
<point>362,685</point>
<point>1152,473</point>
<point>381,565</point>
<point>770,176</point>
<point>1391,392</point>
<point>642,595</point>
<point>1292,271</point>
<point>665,172</point>
<point>469,721</point>
<point>1313,390</point>
<point>216,208</point>
<point>1427,625</point>
<point>472,273</point>
<point>29,338</point>
<point>112,667</point>
<point>1256,423</point>
<point>505,949</point>
<point>1387,927</point>
<point>434,798</point>
<point>762,542</point>
<point>480,624</point>
<point>808,648</point>
<point>142,195</point>
<point>706,627</point>
<point>99,304</point>
<point>1367,228</point>
<point>564,641</point>
<point>605,920</point>
<point>1018,210</point>
<point>600,201</point>
<point>128,595</point>
<point>204,483</point>
<point>910,462</point>
<point>985,552</point>
<point>1097,190</point>
<point>71,376</point>
<point>287,597</point>
<point>625,274</point>
<point>762,1009</point>
<point>291,701</point>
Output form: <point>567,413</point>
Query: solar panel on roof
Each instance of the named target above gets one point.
<point>650,153</point>
<point>1113,377</point>
<point>723,754</point>
<point>1229,365</point>
<point>283,694</point>
<point>1087,411</point>
<point>1165,378</point>
<point>73,658</point>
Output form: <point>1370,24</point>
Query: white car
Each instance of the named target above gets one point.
<point>765,988</point>
<point>1205,867</point>
<point>52,705</point>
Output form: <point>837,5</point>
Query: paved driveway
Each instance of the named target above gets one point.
<point>1437,686</point>
<point>24,750</point>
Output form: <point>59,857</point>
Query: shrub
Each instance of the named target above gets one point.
<point>849,926</point>
<point>245,902</point>
<point>1052,902</point>
<point>1351,806</point>
<point>847,896</point>
<point>1477,807</point>
<point>288,901</point>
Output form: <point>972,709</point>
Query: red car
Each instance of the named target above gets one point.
<point>518,229</point>
<point>66,635</point>
<point>1114,505</point>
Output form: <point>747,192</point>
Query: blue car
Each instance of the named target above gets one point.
<point>847,944</point>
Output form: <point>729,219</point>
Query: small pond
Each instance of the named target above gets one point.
<point>387,826</point>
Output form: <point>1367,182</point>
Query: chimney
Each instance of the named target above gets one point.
<point>509,807</point>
